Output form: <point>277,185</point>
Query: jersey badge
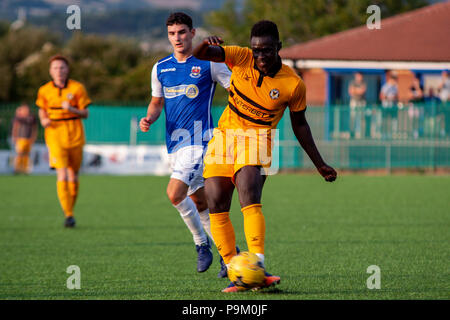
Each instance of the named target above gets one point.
<point>274,94</point>
<point>195,72</point>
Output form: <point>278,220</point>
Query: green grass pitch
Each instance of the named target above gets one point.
<point>130,243</point>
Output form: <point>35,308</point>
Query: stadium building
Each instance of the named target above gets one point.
<point>410,44</point>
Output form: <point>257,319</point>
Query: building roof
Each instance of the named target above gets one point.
<point>419,35</point>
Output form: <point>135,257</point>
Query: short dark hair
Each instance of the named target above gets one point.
<point>179,18</point>
<point>58,57</point>
<point>265,28</point>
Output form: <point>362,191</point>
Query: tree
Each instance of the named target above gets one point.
<point>15,47</point>
<point>298,20</point>
<point>112,69</point>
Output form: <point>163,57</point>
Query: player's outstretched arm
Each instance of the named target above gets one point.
<point>209,49</point>
<point>153,112</point>
<point>303,134</point>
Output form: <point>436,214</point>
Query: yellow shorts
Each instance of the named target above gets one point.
<point>228,152</point>
<point>23,145</point>
<point>65,157</point>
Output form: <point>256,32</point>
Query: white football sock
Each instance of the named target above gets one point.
<point>204,218</point>
<point>188,211</point>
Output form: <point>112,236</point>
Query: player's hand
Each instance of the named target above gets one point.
<point>65,105</point>
<point>328,173</point>
<point>213,41</point>
<point>145,123</point>
<point>46,122</point>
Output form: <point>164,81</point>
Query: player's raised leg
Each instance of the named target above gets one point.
<point>177,194</point>
<point>199,199</point>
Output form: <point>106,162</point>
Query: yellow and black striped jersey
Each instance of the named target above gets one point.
<point>66,129</point>
<point>257,100</point>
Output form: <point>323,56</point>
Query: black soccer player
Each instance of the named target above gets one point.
<point>261,89</point>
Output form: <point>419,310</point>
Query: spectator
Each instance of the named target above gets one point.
<point>431,96</point>
<point>389,91</point>
<point>357,91</point>
<point>389,100</point>
<point>24,133</point>
<point>444,87</point>
<point>415,93</point>
<point>415,113</point>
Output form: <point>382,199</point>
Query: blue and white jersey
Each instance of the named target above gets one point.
<point>188,89</point>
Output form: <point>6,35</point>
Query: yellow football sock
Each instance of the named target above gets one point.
<point>254,228</point>
<point>25,161</point>
<point>64,198</point>
<point>223,233</point>
<point>73,190</point>
<point>18,164</point>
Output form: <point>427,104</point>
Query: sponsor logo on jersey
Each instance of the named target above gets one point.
<point>274,94</point>
<point>168,70</point>
<point>173,92</point>
<point>254,111</point>
<point>191,91</point>
<point>195,72</point>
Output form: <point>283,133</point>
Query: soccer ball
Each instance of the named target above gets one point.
<point>246,270</point>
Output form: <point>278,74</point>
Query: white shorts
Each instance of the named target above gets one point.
<point>187,166</point>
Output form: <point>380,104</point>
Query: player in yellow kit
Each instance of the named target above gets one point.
<point>261,89</point>
<point>62,104</point>
<point>24,133</point>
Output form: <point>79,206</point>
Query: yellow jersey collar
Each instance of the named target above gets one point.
<point>65,84</point>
